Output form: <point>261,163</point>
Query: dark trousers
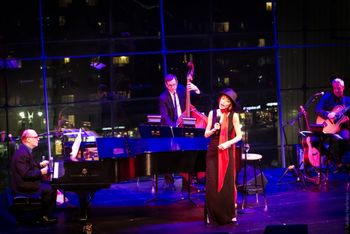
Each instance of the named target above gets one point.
<point>48,196</point>
<point>344,146</point>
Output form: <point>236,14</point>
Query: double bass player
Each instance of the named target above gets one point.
<point>172,104</point>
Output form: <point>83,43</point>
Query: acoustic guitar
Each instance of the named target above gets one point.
<point>333,125</point>
<point>311,154</point>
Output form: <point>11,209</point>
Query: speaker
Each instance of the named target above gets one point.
<point>286,229</point>
<point>251,179</point>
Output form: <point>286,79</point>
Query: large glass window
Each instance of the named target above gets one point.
<point>25,84</point>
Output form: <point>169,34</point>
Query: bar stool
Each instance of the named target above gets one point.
<point>256,188</point>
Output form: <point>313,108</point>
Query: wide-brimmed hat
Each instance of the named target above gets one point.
<point>229,93</point>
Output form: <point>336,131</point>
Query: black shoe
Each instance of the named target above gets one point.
<point>169,179</point>
<point>45,220</point>
<point>338,169</point>
<point>235,223</point>
<point>169,183</point>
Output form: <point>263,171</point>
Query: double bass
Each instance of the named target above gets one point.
<point>191,111</point>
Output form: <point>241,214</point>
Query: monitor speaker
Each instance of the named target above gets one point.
<point>286,229</point>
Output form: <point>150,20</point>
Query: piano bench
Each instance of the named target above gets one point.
<point>22,202</point>
<point>24,207</point>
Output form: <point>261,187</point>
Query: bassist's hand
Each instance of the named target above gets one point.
<point>192,87</point>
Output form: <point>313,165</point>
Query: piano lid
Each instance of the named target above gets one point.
<point>112,147</point>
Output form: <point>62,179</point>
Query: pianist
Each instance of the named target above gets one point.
<point>27,175</point>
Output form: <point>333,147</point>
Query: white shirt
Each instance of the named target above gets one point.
<point>179,112</point>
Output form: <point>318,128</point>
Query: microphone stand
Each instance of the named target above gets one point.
<point>246,148</point>
<point>291,167</point>
<point>292,122</point>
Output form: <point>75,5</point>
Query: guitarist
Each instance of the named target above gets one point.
<point>333,111</point>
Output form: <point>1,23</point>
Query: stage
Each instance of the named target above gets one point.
<point>131,207</point>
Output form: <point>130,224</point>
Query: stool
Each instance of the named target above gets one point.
<point>254,158</point>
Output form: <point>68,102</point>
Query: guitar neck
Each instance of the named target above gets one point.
<point>343,111</point>
<point>305,117</point>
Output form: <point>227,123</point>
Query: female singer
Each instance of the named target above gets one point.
<point>224,130</point>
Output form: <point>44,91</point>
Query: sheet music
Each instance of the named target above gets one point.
<point>76,147</point>
<point>55,170</point>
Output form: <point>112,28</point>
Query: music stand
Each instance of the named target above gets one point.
<point>148,131</point>
<point>154,119</point>
<point>188,132</point>
<point>189,122</point>
<point>316,128</point>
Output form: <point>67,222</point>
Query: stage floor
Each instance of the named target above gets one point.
<point>130,208</point>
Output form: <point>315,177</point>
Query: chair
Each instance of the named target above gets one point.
<point>256,186</point>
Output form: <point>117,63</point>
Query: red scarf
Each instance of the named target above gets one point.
<point>223,154</point>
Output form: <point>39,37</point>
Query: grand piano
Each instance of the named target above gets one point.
<point>129,158</point>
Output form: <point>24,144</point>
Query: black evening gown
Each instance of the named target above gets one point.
<point>219,206</point>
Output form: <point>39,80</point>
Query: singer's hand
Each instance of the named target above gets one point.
<point>44,170</point>
<point>224,145</point>
<point>44,163</point>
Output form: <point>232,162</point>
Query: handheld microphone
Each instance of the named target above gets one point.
<point>319,94</point>
<point>217,126</point>
<point>11,138</point>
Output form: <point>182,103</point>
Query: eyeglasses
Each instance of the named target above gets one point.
<point>36,137</point>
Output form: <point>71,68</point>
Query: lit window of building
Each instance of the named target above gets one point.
<point>268,6</point>
<point>121,60</point>
<point>221,27</point>
<point>64,3</point>
<point>61,20</point>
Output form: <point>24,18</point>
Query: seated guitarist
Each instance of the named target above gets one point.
<point>333,111</point>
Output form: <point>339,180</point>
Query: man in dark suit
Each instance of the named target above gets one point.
<point>172,102</point>
<point>27,175</point>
